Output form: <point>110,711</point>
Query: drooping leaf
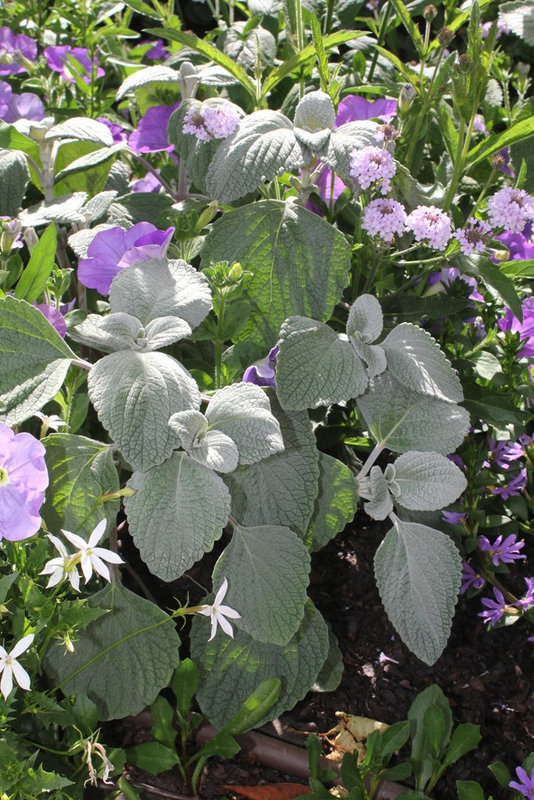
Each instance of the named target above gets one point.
<point>177,513</point>
<point>402,420</point>
<point>124,658</point>
<point>231,668</point>
<point>316,367</point>
<point>427,481</point>
<point>418,572</point>
<point>380,504</point>
<point>81,474</point>
<point>335,504</point>
<point>268,573</point>
<point>34,360</point>
<point>134,395</point>
<point>299,263</point>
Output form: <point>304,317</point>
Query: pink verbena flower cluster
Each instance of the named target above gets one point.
<point>511,209</point>
<point>212,122</point>
<point>385,218</point>
<point>372,167</point>
<point>430,225</point>
<point>473,236</point>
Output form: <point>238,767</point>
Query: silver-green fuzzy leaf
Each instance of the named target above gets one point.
<point>268,573</point>
<point>316,367</point>
<point>417,361</point>
<point>177,513</point>
<point>212,448</point>
<point>518,16</point>
<point>232,668</point>
<point>365,318</point>
<point>123,658</point>
<point>335,504</point>
<point>402,419</point>
<point>34,360</point>
<point>134,395</point>
<point>418,571</point>
<point>143,77</point>
<point>81,128</point>
<point>380,504</point>
<point>263,147</point>
<point>427,481</point>
<point>315,111</point>
<point>81,472</point>
<point>243,412</point>
<point>14,177</point>
<point>64,210</point>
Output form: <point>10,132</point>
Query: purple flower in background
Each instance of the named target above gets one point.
<point>501,161</point>
<point>505,452</point>
<point>511,209</point>
<point>502,552</point>
<point>372,167</point>
<point>385,218</point>
<point>479,124</point>
<point>19,106</point>
<point>453,517</point>
<point>147,184</point>
<point>354,108</point>
<point>57,58</point>
<point>501,28</point>
<point>151,133</point>
<point>211,122</point>
<point>448,275</point>
<point>117,131</point>
<point>263,373</point>
<point>518,244</point>
<point>525,329</point>
<point>526,782</point>
<point>430,225</point>
<point>54,316</point>
<point>23,479</point>
<point>527,601</point>
<point>114,249</point>
<point>494,608</point>
<point>13,50</point>
<point>157,52</point>
<point>473,236</point>
<point>514,487</point>
<point>470,578</point>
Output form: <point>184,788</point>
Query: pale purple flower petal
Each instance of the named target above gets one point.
<point>151,133</point>
<point>470,578</point>
<point>263,373</point>
<point>525,329</point>
<point>57,58</point>
<point>514,487</point>
<point>23,479</point>
<point>473,236</point>
<point>527,601</point>
<point>54,316</point>
<point>12,47</point>
<point>525,784</point>
<point>430,225</point>
<point>511,209</point>
<point>372,168</point>
<point>502,552</point>
<point>353,108</point>
<point>385,218</point>
<point>494,608</point>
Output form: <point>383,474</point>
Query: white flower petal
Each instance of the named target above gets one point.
<point>225,625</point>
<point>100,567</point>
<point>107,555</point>
<point>86,566</point>
<point>58,544</point>
<point>213,628</point>
<point>55,578</point>
<point>21,676</point>
<point>98,533</point>
<point>3,655</point>
<point>221,593</point>
<point>6,684</point>
<point>22,645</point>
<point>74,539</point>
<point>226,611</point>
<point>74,579</point>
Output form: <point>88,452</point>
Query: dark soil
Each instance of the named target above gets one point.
<point>486,676</point>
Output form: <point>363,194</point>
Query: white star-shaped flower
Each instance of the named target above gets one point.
<point>218,613</point>
<point>92,557</point>
<point>10,667</point>
<point>63,566</point>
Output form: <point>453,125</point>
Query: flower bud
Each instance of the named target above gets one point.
<point>9,234</point>
<point>236,271</point>
<point>430,12</point>
<point>465,64</point>
<point>406,97</point>
<point>445,37</point>
<point>31,238</point>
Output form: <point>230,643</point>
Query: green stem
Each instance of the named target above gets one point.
<point>380,39</point>
<point>219,342</point>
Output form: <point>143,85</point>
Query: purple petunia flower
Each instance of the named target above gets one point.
<point>14,49</point>
<point>157,52</point>
<point>54,316</point>
<point>372,167</point>
<point>501,28</point>
<point>23,479</point>
<point>19,106</point>
<point>151,133</point>
<point>525,329</point>
<point>470,578</point>
<point>114,249</point>
<point>117,131</point>
<point>354,108</point>
<point>263,373</point>
<point>58,59</point>
<point>502,552</point>
<point>514,487</point>
<point>526,782</point>
<point>527,601</point>
<point>385,218</point>
<point>147,184</point>
<point>511,209</point>
<point>519,246</point>
<point>430,225</point>
<point>448,275</point>
<point>503,452</point>
<point>473,236</point>
<point>494,608</point>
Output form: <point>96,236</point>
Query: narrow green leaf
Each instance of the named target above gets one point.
<point>322,61</point>
<point>517,133</point>
<point>11,139</point>
<point>255,707</point>
<point>184,683</point>
<point>410,25</point>
<point>492,276</point>
<point>143,8</point>
<point>465,737</point>
<point>33,280</point>
<point>407,74</point>
<point>208,50</point>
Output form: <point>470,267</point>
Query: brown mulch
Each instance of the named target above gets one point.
<point>486,676</point>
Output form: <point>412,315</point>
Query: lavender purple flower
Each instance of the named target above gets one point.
<point>525,785</point>
<point>372,167</point>
<point>502,552</point>
<point>263,373</point>
<point>114,249</point>
<point>504,452</point>
<point>353,108</point>
<point>473,236</point>
<point>495,609</point>
<point>54,316</point>
<point>151,133</point>
<point>514,487</point>
<point>453,517</point>
<point>58,59</point>
<point>511,209</point>
<point>23,479</point>
<point>15,49</point>
<point>525,329</point>
<point>519,246</point>
<point>470,578</point>
<point>385,218</point>
<point>527,601</point>
<point>430,225</point>
<point>19,106</point>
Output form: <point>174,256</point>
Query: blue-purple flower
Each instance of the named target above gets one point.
<point>117,131</point>
<point>114,249</point>
<point>454,517</point>
<point>263,373</point>
<point>502,552</point>
<point>149,183</point>
<point>54,316</point>
<point>151,133</point>
<point>19,106</point>
<point>525,784</point>
<point>527,601</point>
<point>514,487</point>
<point>495,609</point>
<point>525,329</point>
<point>14,50</point>
<point>504,452</point>
<point>23,479</point>
<point>58,58</point>
<point>470,578</point>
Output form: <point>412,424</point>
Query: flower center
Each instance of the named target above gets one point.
<point>4,477</point>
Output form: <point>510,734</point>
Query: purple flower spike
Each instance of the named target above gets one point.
<point>12,48</point>
<point>470,578</point>
<point>502,552</point>
<point>151,133</point>
<point>527,601</point>
<point>114,249</point>
<point>494,608</point>
<point>525,329</point>
<point>58,61</point>
<point>263,373</point>
<point>23,479</point>
<point>525,785</point>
